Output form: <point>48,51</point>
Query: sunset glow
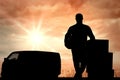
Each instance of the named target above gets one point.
<point>42,24</point>
<point>35,38</point>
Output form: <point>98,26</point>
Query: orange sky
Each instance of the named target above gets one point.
<point>52,18</point>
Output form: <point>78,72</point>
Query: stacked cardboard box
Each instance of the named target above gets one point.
<point>100,60</point>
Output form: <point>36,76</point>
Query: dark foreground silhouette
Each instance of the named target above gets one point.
<point>92,54</point>
<point>41,65</point>
<point>100,60</point>
<point>76,40</point>
<point>34,65</point>
<point>70,78</point>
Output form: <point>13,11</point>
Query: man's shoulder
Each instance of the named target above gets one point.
<point>86,26</point>
<point>76,26</point>
<point>72,26</point>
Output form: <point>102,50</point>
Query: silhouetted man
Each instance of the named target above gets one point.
<point>78,34</point>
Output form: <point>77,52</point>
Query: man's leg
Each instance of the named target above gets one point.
<point>78,74</point>
<point>76,62</point>
<point>79,71</point>
<point>79,63</point>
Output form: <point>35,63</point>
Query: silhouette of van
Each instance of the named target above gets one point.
<point>24,65</point>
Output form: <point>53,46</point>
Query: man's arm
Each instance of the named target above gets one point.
<point>67,39</point>
<point>90,34</point>
<point>68,33</point>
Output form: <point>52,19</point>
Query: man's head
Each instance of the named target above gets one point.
<point>79,17</point>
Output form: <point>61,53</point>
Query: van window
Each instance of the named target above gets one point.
<point>14,56</point>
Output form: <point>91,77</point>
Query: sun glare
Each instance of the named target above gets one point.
<point>35,38</point>
<point>35,35</point>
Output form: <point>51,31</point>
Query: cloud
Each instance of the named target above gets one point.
<point>105,4</point>
<point>58,14</point>
<point>12,7</point>
<point>108,28</point>
<point>104,8</point>
<point>55,12</point>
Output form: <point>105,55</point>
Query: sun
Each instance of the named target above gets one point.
<point>35,37</point>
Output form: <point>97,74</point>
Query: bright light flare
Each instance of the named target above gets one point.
<point>35,38</point>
